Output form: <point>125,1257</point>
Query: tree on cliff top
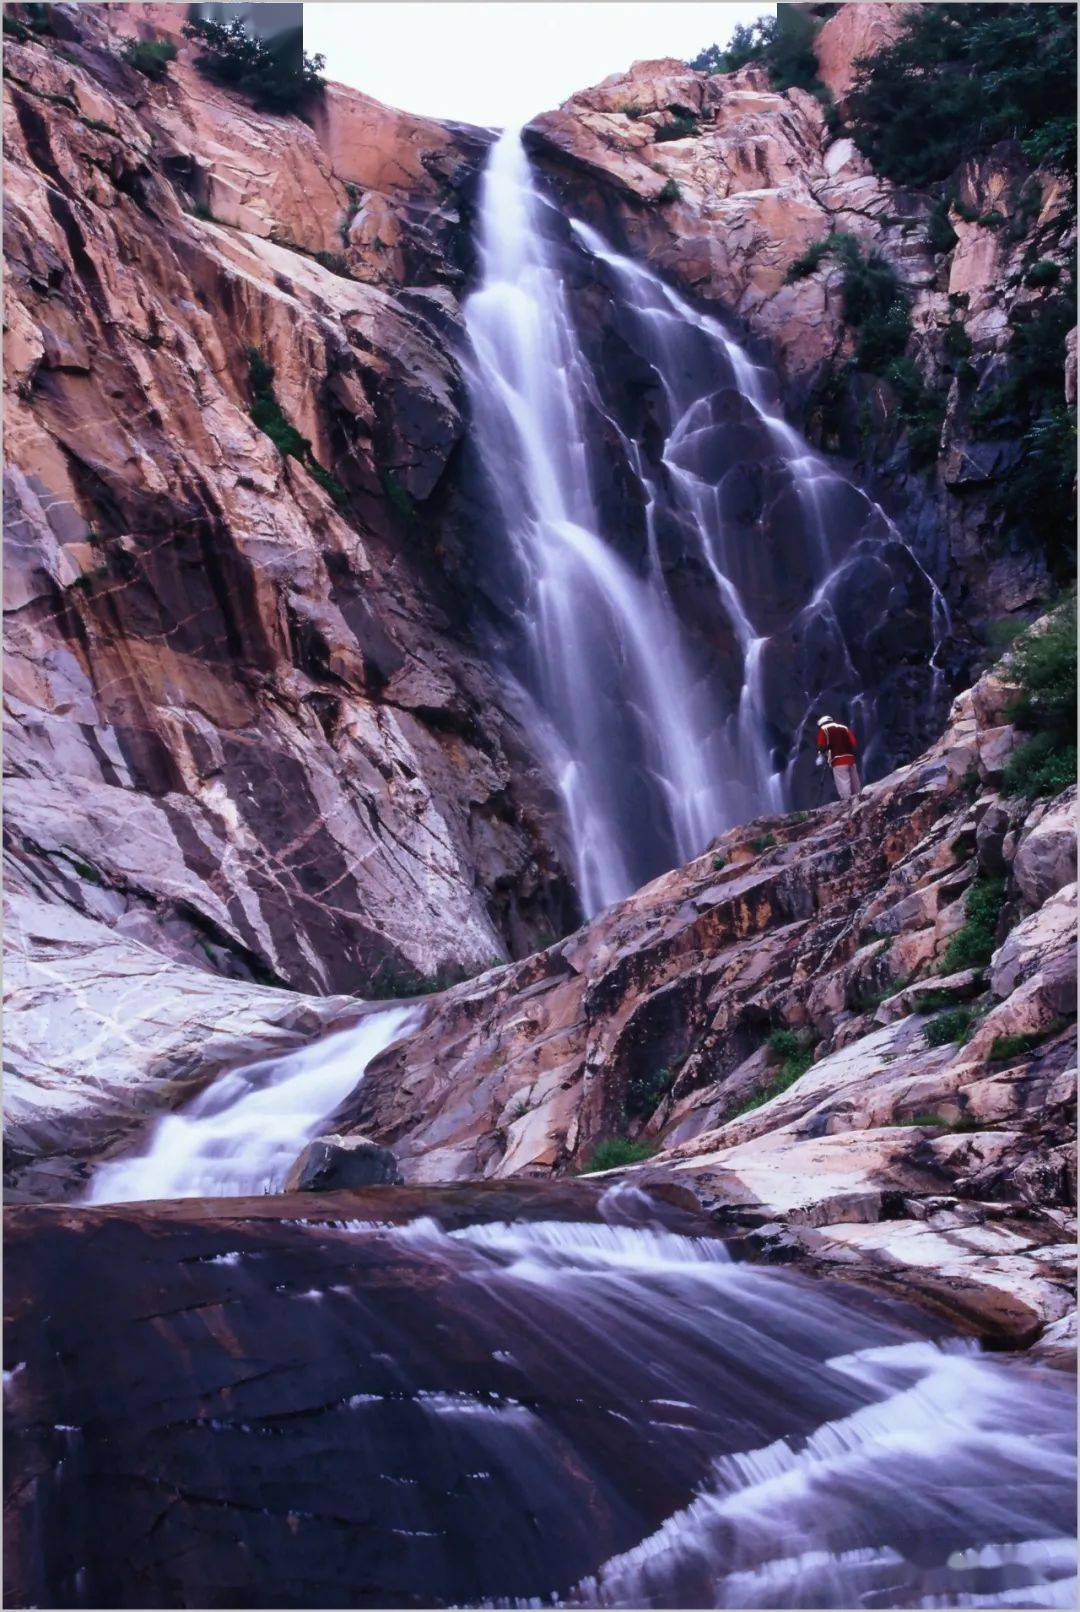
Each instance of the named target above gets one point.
<point>961,78</point>
<point>783,44</point>
<point>279,77</point>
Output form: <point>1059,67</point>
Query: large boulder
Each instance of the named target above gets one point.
<point>334,1162</point>
<point>1046,858</point>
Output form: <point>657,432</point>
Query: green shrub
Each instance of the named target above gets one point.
<point>37,22</point>
<point>268,415</point>
<point>748,43</point>
<point>672,192</point>
<point>1041,766</point>
<point>973,944</point>
<point>266,411</point>
<point>793,1065</point>
<point>617,1151</point>
<point>680,128</point>
<point>1004,1048</point>
<point>645,1091</point>
<point>959,79</point>
<point>785,1044</point>
<point>922,410</point>
<point>719,863</point>
<point>806,263</point>
<point>397,496</point>
<point>940,234</point>
<point>763,842</point>
<point>957,340</point>
<point>150,57</point>
<point>1044,667</point>
<point>783,44</point>
<point>279,78</point>
<point>934,1001</point>
<point>954,1025</point>
<point>1044,272</point>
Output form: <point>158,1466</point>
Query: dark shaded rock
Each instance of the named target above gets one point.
<point>342,1163</point>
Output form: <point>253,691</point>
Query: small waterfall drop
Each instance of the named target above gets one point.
<point>674,671</point>
<point>241,1135</point>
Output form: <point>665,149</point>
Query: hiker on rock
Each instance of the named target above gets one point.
<point>836,745</point>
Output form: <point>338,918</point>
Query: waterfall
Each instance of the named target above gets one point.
<point>241,1135</point>
<point>674,672</point>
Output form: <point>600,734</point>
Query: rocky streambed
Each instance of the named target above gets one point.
<point>486,1394</point>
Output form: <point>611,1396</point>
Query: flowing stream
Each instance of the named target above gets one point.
<point>675,675</point>
<point>242,1134</point>
<point>584,1403</point>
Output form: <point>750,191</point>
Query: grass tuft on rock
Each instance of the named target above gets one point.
<point>617,1151</point>
<point>973,944</point>
<point>955,1025</point>
<point>151,57</point>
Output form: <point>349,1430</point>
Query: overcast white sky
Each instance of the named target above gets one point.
<point>501,62</point>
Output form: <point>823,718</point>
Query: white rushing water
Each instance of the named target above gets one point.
<point>653,751</point>
<point>831,1455</point>
<point>241,1135</point>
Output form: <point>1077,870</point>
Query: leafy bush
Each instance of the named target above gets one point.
<point>783,44</point>
<point>672,192</point>
<point>645,1091</point>
<point>279,78</point>
<point>957,340</point>
<point>973,943</point>
<point>939,231</point>
<point>1004,1048</point>
<point>1037,500</point>
<point>795,1056</point>
<point>268,415</point>
<point>955,1025</point>
<point>1041,766</point>
<point>805,264</point>
<point>1043,664</point>
<point>1044,272</point>
<point>748,43</point>
<point>1044,667</point>
<point>617,1151</point>
<point>150,57</point>
<point>719,863</point>
<point>763,842</point>
<point>680,128</point>
<point>959,79</point>
<point>922,410</point>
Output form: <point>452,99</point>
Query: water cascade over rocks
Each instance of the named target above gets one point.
<point>242,1134</point>
<point>579,1404</point>
<point>687,594</point>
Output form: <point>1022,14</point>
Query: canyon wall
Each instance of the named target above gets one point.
<point>244,724</point>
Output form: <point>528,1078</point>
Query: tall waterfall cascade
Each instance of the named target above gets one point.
<point>674,671</point>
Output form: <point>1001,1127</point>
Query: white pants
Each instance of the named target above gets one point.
<point>847,781</point>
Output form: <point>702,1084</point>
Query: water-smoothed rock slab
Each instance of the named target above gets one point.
<point>417,1397</point>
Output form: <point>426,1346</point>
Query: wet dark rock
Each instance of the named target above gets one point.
<point>342,1163</point>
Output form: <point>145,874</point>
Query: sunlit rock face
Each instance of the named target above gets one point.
<point>246,727</point>
<point>946,1167</point>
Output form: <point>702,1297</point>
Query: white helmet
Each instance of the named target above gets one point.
<point>823,721</point>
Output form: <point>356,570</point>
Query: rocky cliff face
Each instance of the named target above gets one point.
<point>913,1123</point>
<point>723,183</point>
<point>253,745</point>
<point>244,725</point>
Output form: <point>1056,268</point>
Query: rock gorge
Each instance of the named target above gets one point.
<point>276,768</point>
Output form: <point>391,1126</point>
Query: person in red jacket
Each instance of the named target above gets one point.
<point>836,745</point>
